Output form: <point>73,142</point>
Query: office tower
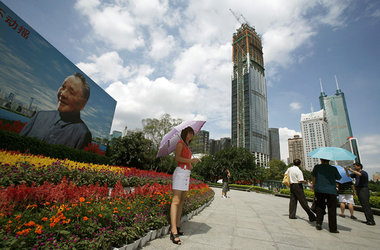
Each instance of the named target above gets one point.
<point>351,145</point>
<point>337,116</point>
<point>295,146</point>
<point>200,143</point>
<point>218,145</point>
<point>274,144</point>
<point>249,111</point>
<point>315,134</point>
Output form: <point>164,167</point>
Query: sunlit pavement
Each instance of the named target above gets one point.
<point>248,220</point>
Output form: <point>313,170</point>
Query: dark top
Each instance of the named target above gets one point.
<point>361,181</point>
<point>325,178</point>
<point>58,128</point>
<point>225,176</point>
<point>345,188</point>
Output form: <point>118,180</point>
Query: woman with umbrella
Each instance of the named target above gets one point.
<point>181,181</point>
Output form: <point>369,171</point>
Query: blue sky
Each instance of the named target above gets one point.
<point>155,57</point>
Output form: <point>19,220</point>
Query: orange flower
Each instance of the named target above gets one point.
<point>85,218</point>
<point>52,224</point>
<point>18,217</point>
<point>30,224</point>
<point>100,215</point>
<point>128,208</point>
<point>81,199</point>
<point>47,203</point>
<point>38,229</point>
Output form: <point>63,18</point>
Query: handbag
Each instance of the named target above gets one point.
<point>286,180</point>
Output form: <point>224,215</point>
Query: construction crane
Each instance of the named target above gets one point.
<point>239,17</point>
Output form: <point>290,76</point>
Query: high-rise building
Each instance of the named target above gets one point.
<point>200,143</point>
<point>218,145</point>
<point>295,146</point>
<point>337,116</point>
<point>249,114</point>
<point>315,134</point>
<point>274,144</point>
<point>351,145</point>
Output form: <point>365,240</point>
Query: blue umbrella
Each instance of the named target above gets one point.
<point>332,154</point>
<point>342,173</point>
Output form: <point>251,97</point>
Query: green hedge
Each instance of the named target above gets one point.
<point>14,142</point>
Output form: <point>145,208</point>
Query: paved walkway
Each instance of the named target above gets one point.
<point>250,220</point>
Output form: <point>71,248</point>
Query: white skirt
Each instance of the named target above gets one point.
<point>346,198</point>
<point>181,179</point>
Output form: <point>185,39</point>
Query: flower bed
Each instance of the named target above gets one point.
<point>37,211</point>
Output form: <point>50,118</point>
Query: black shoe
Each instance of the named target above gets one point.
<point>334,231</point>
<point>342,215</point>
<point>293,218</point>
<point>353,217</point>
<point>369,223</point>
<point>318,227</point>
<point>173,237</point>
<point>179,231</point>
<point>311,219</point>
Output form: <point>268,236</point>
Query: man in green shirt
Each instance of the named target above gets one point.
<point>324,185</point>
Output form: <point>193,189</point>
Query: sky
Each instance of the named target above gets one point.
<point>158,56</point>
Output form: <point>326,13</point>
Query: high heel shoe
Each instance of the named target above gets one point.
<point>179,231</point>
<point>173,237</point>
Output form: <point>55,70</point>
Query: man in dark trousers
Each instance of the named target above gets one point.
<point>324,185</point>
<point>361,185</point>
<point>296,191</point>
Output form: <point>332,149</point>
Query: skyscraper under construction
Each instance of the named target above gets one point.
<point>249,95</point>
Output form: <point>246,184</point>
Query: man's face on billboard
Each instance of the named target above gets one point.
<point>70,95</point>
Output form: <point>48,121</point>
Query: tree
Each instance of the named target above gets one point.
<point>155,129</point>
<point>133,150</point>
<point>239,161</point>
<point>275,171</point>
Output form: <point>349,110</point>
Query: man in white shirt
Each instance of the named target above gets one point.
<point>296,191</point>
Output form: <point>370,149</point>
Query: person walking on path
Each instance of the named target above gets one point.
<point>181,182</point>
<point>361,185</point>
<point>346,193</point>
<point>324,186</point>
<point>296,191</point>
<point>225,187</point>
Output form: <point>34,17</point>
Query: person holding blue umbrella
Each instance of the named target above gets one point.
<point>346,192</point>
<point>324,186</point>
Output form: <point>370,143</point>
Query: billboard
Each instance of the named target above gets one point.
<point>40,86</point>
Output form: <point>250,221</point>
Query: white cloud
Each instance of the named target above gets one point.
<point>162,44</point>
<point>188,47</point>
<point>285,134</point>
<point>295,106</point>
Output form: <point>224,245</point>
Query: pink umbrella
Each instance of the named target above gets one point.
<point>170,140</point>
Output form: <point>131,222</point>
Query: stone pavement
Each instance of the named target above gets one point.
<point>248,220</point>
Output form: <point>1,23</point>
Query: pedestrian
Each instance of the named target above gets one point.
<point>296,191</point>
<point>181,182</point>
<point>346,192</point>
<point>324,186</point>
<point>225,187</point>
<point>361,186</point>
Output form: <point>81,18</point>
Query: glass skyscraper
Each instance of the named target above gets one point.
<point>337,116</point>
<point>249,114</point>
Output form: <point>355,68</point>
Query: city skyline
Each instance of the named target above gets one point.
<point>149,56</point>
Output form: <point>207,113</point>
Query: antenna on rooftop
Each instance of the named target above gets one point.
<point>320,83</point>
<point>337,85</point>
